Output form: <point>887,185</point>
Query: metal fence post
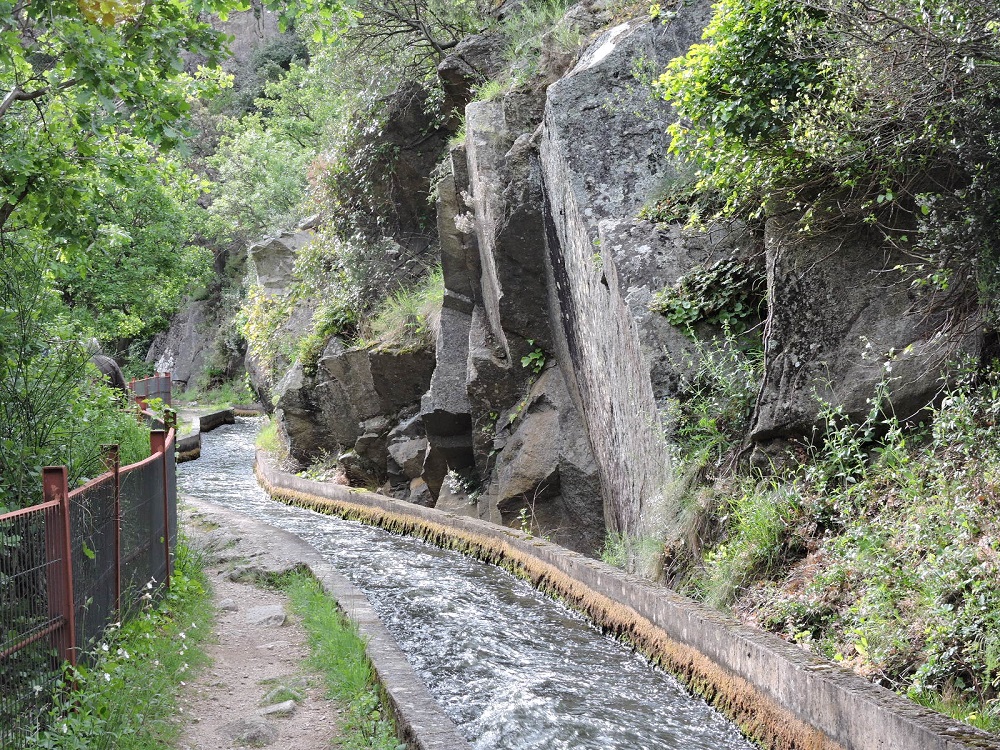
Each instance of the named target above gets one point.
<point>158,444</point>
<point>55,487</point>
<point>112,462</point>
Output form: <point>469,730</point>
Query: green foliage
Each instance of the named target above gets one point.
<point>717,393</point>
<point>525,31</point>
<point>791,108</point>
<point>489,91</point>
<point>731,294</point>
<point>126,698</point>
<point>408,319</point>
<point>535,359</point>
<point>757,518</point>
<point>53,411</point>
<point>138,226</point>
<point>268,64</point>
<point>268,439</point>
<point>260,183</point>
<point>332,318</point>
<point>339,654</point>
<point>221,395</point>
<point>882,551</point>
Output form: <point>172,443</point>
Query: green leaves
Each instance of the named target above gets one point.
<point>731,293</point>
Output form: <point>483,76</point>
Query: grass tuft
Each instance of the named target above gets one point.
<point>409,318</point>
<point>338,653</point>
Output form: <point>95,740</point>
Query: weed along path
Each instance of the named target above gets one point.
<point>258,690</point>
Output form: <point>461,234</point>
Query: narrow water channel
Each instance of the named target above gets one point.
<point>513,668</point>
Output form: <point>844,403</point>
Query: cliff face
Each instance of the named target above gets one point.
<point>541,405</point>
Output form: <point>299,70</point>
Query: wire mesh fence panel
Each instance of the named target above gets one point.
<point>143,558</point>
<point>157,386</point>
<point>29,662</point>
<point>93,521</point>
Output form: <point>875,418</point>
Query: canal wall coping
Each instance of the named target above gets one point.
<point>780,695</point>
<point>189,446</point>
<point>420,721</point>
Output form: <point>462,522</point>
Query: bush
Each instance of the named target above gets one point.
<point>882,551</point>
<point>845,113</point>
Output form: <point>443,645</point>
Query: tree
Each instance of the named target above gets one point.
<point>93,94</point>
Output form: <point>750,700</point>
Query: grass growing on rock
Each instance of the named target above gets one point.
<point>125,699</point>
<point>338,653</point>
<point>409,318</point>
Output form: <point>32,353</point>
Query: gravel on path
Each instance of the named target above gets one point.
<point>258,690</point>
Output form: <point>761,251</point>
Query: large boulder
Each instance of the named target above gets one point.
<point>603,155</point>
<point>544,473</point>
<point>331,409</point>
<point>506,186</point>
<point>842,321</point>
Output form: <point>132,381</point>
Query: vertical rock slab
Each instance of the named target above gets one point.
<point>445,409</point>
<point>545,475</point>
<point>603,154</point>
<point>506,186</point>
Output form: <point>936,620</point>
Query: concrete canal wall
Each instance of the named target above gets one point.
<point>781,696</point>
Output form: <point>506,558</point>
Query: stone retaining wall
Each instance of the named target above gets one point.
<point>780,696</point>
<point>208,422</point>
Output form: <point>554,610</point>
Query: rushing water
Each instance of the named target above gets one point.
<point>513,668</point>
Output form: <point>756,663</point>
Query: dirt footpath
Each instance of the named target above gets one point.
<point>258,690</point>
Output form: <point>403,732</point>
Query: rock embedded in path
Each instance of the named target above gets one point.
<point>285,708</point>
<point>270,616</point>
<point>228,605</point>
<point>254,731</point>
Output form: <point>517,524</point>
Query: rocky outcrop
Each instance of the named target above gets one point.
<point>843,321</point>
<point>540,405</point>
<point>274,260</point>
<point>186,346</point>
<point>603,154</point>
<point>474,60</point>
<point>351,389</point>
<point>272,265</point>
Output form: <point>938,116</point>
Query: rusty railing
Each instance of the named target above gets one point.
<point>156,386</point>
<point>75,563</point>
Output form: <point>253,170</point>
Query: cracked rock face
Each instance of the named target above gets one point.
<point>603,155</point>
<point>843,320</point>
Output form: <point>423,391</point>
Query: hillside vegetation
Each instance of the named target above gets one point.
<point>133,162</point>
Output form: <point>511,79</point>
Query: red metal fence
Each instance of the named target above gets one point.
<point>156,386</point>
<point>72,565</point>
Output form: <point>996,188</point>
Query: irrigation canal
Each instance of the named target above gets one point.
<point>513,668</point>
